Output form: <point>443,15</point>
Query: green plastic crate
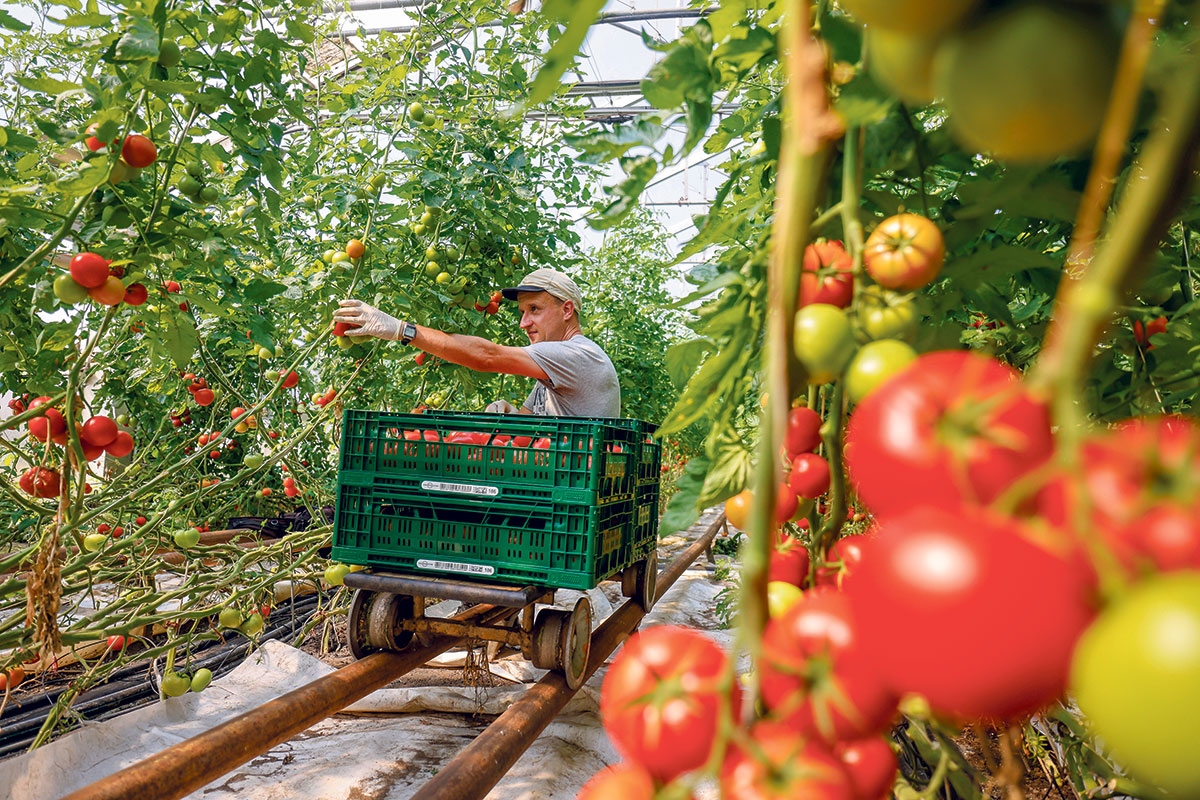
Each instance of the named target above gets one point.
<point>542,459</point>
<point>518,542</point>
<point>566,516</point>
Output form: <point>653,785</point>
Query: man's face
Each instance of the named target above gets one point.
<point>543,316</point>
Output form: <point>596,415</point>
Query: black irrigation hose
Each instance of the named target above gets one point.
<point>129,687</point>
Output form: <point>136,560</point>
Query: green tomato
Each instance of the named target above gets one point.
<point>781,596</point>
<point>433,269</point>
<point>252,625</point>
<point>176,685</point>
<point>187,538</point>
<point>189,185</point>
<point>210,194</point>
<point>882,314</point>
<point>416,112</point>
<point>340,257</point>
<point>201,679</point>
<point>1136,677</point>
<point>229,618</point>
<point>94,541</point>
<point>253,460</point>
<point>823,341</point>
<point>168,53</point>
<point>68,291</point>
<point>335,574</point>
<point>874,363</point>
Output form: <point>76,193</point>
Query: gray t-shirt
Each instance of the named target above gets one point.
<point>582,381</point>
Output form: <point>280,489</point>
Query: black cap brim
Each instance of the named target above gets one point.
<point>511,292</point>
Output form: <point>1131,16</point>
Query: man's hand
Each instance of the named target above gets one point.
<point>367,320</point>
<point>502,407</point>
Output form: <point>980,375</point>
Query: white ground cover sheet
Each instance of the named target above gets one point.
<point>382,748</point>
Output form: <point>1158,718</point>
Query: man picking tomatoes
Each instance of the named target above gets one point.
<point>574,376</point>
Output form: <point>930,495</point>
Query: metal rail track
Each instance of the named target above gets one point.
<point>196,762</point>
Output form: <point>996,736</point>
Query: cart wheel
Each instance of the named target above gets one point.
<point>576,643</point>
<point>547,633</point>
<point>373,619</point>
<point>646,590</point>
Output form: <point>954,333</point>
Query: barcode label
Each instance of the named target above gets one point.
<point>455,566</point>
<point>460,488</point>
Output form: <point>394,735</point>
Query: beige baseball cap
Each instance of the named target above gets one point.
<point>550,281</point>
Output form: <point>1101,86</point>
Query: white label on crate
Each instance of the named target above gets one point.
<point>460,488</point>
<point>455,566</point>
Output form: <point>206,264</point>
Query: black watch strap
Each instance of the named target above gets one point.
<point>408,332</point>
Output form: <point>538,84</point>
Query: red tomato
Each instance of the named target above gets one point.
<point>99,431</point>
<point>121,446</point>
<point>291,379</point>
<point>827,275</point>
<point>991,649</point>
<point>205,397</point>
<point>52,424</point>
<point>92,142</point>
<point>89,270</point>
<point>816,677</point>
<point>871,765</point>
<point>1142,334</point>
<point>340,328</point>
<point>840,561</point>
<point>522,441</point>
<point>786,504</point>
<point>542,444</point>
<point>136,294</point>
<point>420,359</point>
<point>904,252</point>
<point>954,427</point>
<point>1139,481</point>
<point>138,151</point>
<point>803,431</point>
<point>809,477</point>
<point>782,766</point>
<point>624,781</point>
<point>664,697</point>
<point>41,482</point>
<point>789,563</point>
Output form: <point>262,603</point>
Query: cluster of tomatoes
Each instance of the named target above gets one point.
<point>1023,82</point>
<point>92,275</point>
<point>98,434</point>
<point>1003,569</point>
<point>199,390</point>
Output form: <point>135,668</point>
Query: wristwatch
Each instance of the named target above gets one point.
<point>408,332</point>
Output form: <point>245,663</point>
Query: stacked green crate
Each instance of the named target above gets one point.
<point>511,499</point>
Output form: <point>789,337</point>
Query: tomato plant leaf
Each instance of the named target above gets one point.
<point>578,16</point>
<point>180,338</point>
<point>640,170</point>
<point>682,359</point>
<point>683,509</point>
<point>746,47</point>
<point>93,174</point>
<point>730,471</point>
<point>139,42</point>
<point>605,145</point>
<point>92,19</point>
<point>45,85</point>
<point>12,23</point>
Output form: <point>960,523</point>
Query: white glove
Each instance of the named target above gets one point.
<point>367,320</point>
<point>501,407</point>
